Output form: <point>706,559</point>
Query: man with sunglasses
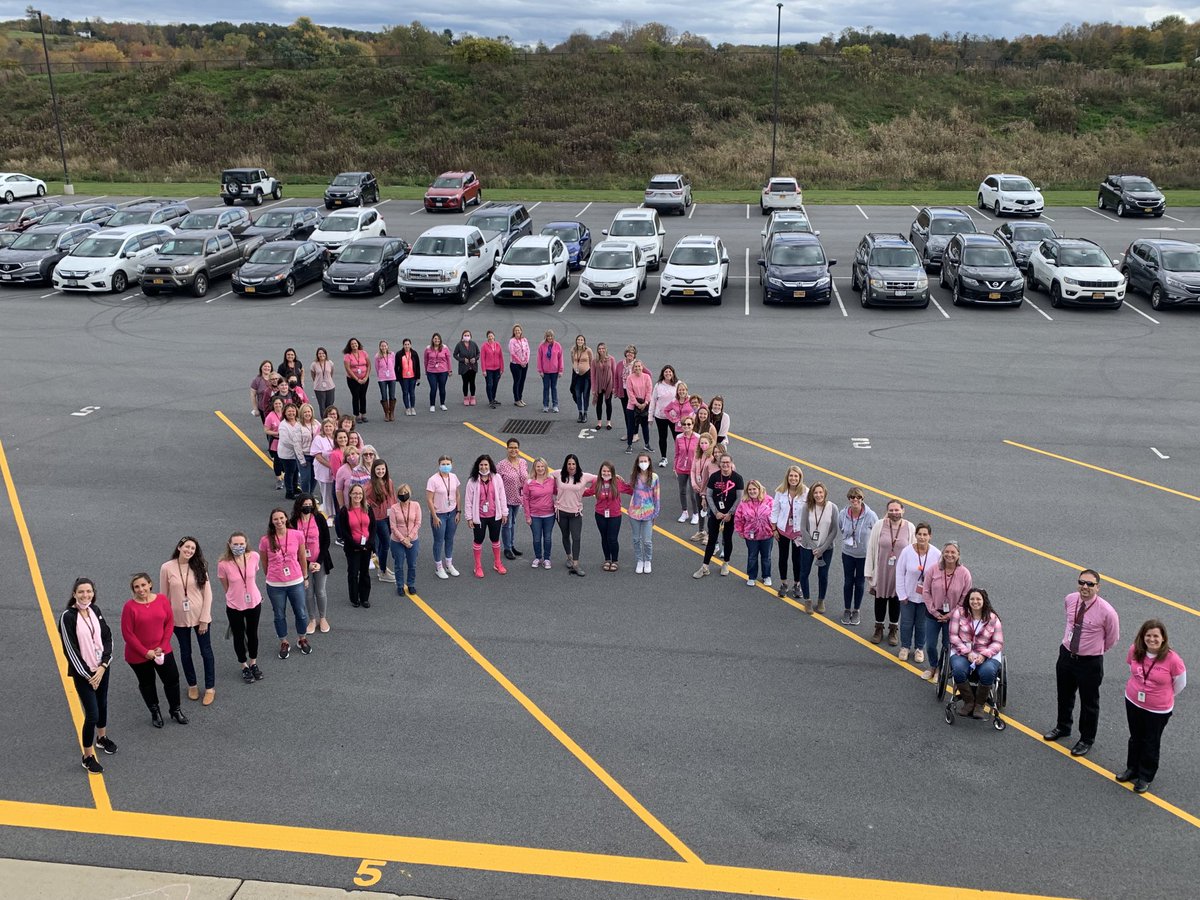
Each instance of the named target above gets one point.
<point>1092,630</point>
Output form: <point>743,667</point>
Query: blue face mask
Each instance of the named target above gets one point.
<point>237,551</point>
<point>445,468</point>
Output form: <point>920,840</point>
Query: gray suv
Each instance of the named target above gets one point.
<point>669,193</point>
<point>933,228</point>
<point>509,220</point>
<point>887,272</point>
<point>1169,271</point>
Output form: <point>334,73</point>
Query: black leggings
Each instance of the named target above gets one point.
<point>468,380</point>
<point>889,606</point>
<point>358,573</point>
<point>95,707</point>
<point>324,400</point>
<point>243,625</point>
<point>784,543</point>
<point>486,527</point>
<point>571,526</point>
<point>610,533</point>
<point>725,529</point>
<point>603,402</point>
<point>664,430</point>
<point>168,674</point>
<point>632,424</point>
<point>358,393</point>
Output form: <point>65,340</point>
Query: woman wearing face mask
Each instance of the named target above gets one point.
<point>638,389</point>
<point>184,579</point>
<point>381,494</point>
<point>572,481</point>
<point>855,523</point>
<point>491,359</point>
<point>404,522</point>
<point>514,472</point>
<point>550,367</point>
<point>912,564</point>
<point>87,646</point>
<point>518,363</point>
<point>703,465</point>
<point>685,453</point>
<point>410,377</point>
<point>946,587</point>
<point>147,626</point>
<point>237,570</point>
<point>385,377</point>
<point>787,510</point>
<point>283,559</point>
<point>441,496</point>
<point>356,527</point>
<point>538,500</point>
<point>581,377</point>
<point>322,447</point>
<point>662,395</point>
<point>466,351</point>
<point>1156,676</point>
<point>818,536</point>
<point>487,508</point>
<point>607,489</point>
<point>604,382</point>
<point>308,519</point>
<point>753,522</point>
<point>358,376</point>
<point>437,370</point>
<point>644,506</point>
<point>323,385</point>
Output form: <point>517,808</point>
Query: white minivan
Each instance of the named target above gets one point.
<point>108,261</point>
<point>644,228</point>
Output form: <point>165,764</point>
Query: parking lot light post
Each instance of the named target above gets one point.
<point>775,115</point>
<point>68,188</point>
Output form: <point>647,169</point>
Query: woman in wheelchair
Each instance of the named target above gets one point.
<point>976,642</point>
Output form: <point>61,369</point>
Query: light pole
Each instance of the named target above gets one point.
<point>68,188</point>
<point>775,116</point>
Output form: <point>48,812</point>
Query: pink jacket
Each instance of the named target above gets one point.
<point>518,351</point>
<point>638,389</point>
<point>700,472</point>
<point>964,639</point>
<point>752,519</point>
<point>685,453</point>
<point>385,367</point>
<point>676,411</point>
<point>550,359</point>
<point>608,497</point>
<point>471,501</point>
<point>437,360</point>
<point>491,356</point>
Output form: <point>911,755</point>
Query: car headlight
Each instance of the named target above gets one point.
<point>878,283</point>
<point>583,282</point>
<point>973,282</point>
<point>178,270</point>
<point>353,192</point>
<point>822,281</point>
<point>279,277</point>
<point>922,283</point>
<point>450,274</point>
<point>1071,281</point>
<point>666,277</point>
<point>368,276</point>
<point>778,282</point>
<point>629,282</point>
<point>1019,283</point>
<point>140,268</point>
<point>713,279</point>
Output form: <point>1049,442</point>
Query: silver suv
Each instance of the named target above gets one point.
<point>669,193</point>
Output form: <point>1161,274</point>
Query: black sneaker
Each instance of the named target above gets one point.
<point>106,744</point>
<point>257,672</point>
<point>92,765</point>
<point>247,675</point>
<point>304,645</point>
<point>284,650</point>
<point>517,552</point>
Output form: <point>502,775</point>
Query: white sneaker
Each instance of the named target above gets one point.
<point>662,463</point>
<point>683,517</point>
<point>443,407</point>
<point>724,568</point>
<point>696,519</point>
<point>537,563</point>
<point>919,656</point>
<point>700,572</point>
<point>903,654</point>
<point>387,577</point>
<point>646,568</point>
<point>749,582</point>
<point>639,567</point>
<point>433,409</point>
<point>545,563</point>
<point>766,582</point>
<point>450,568</point>
<point>441,573</point>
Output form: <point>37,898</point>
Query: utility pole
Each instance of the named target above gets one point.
<point>68,188</point>
<point>775,116</point>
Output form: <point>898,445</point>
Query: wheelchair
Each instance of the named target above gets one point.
<point>999,691</point>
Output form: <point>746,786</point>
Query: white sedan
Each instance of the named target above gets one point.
<point>1010,194</point>
<point>337,230</point>
<point>14,186</point>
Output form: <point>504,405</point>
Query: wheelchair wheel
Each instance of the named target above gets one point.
<point>999,724</point>
<point>1000,694</point>
<point>950,716</point>
<point>943,667</point>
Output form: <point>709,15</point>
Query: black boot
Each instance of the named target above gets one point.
<point>156,718</point>
<point>178,716</point>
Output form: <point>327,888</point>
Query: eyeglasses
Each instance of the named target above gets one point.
<point>1083,583</point>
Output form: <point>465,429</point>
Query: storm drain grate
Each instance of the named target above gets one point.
<point>526,426</point>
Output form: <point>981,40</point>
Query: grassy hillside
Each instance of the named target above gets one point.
<point>606,121</point>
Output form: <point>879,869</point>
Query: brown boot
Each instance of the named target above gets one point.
<point>967,695</point>
<point>877,637</point>
<point>386,417</point>
<point>893,636</point>
<point>391,410</point>
<point>983,696</point>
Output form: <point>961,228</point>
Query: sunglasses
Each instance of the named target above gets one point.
<point>1083,583</point>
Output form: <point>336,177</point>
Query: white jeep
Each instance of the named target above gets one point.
<point>249,186</point>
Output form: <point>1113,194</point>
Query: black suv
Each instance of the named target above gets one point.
<point>1169,271</point>
<point>933,228</point>
<point>285,223</point>
<point>150,212</point>
<point>509,220</point>
<point>352,189</point>
<point>1131,195</point>
<point>978,268</point>
<point>887,271</point>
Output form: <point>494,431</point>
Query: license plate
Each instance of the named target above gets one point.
<point>799,293</point>
<point>993,296</point>
<point>606,293</point>
<point>337,202</point>
<point>1147,211</point>
<point>439,290</point>
<point>901,293</point>
<point>249,290</point>
<point>518,293</point>
<point>342,287</point>
<point>73,282</point>
<point>1097,295</point>
<point>158,281</point>
<point>687,292</point>
<point>5,278</point>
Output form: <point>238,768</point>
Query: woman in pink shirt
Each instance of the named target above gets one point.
<point>538,500</point>
<point>322,448</point>
<point>385,377</point>
<point>437,370</point>
<point>410,376</point>
<point>87,646</point>
<point>491,360</point>
<point>323,385</point>
<point>752,520</point>
<point>638,391</point>
<point>703,465</point>
<point>976,644</point>
<point>607,489</point>
<point>514,473</point>
<point>946,588</point>
<point>283,559</point>
<point>271,429</point>
<point>404,521</point>
<point>308,519</point>
<point>356,528</point>
<point>184,579</point>
<point>486,506</point>
<point>685,453</point>
<point>572,481</point>
<point>381,494</point>
<point>661,396</point>
<point>518,363</point>
<point>549,366</point>
<point>358,376</point>
<point>1156,676</point>
<point>604,385</point>
<point>237,570</point>
<point>441,496</point>
<point>147,626</point>
<point>679,407</point>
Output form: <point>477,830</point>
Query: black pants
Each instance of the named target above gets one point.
<point>489,528</point>
<point>358,394</point>
<point>581,390</point>
<point>784,553</point>
<point>1082,674</point>
<point>358,574</point>
<point>890,607</point>
<point>518,377</point>
<point>603,404</point>
<point>1145,738</point>
<point>633,421</point>
<point>324,400</point>
<point>664,430</point>
<point>243,625</point>
<point>714,528</point>
<point>468,380</point>
<point>95,709</point>
<point>491,381</point>
<point>276,464</point>
<point>168,674</point>
<point>571,526</point>
<point>610,536</point>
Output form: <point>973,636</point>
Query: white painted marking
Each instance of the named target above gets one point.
<point>1173,219</point>
<point>654,306</point>
<point>219,296</point>
<point>1096,212</point>
<point>386,302</point>
<point>747,281</point>
<point>480,300</point>
<point>586,434</point>
<point>747,210</point>
<point>585,209</point>
<point>933,299</point>
<point>693,212</point>
<point>535,206</point>
<point>86,411</point>
<point>860,443</point>
<point>1038,308</point>
<point>419,209</point>
<point>51,294</point>
<point>1047,218</point>
<point>569,299</point>
<point>838,294</point>
<point>1139,312</point>
<point>976,212</point>
<point>915,209</point>
<point>1155,449</point>
<point>860,209</point>
<point>306,296</point>
<point>190,199</point>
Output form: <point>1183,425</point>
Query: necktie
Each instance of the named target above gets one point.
<point>1077,631</point>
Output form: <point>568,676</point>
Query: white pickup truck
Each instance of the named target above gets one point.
<point>446,261</point>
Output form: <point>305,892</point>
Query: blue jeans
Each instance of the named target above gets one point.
<point>444,525</point>
<point>550,389</point>
<point>383,541</point>
<point>508,531</point>
<point>281,597</point>
<point>988,670</point>
<point>912,624</point>
<point>306,476</point>
<point>387,390</point>
<point>408,392</point>
<point>759,551</point>
<point>643,539</point>
<point>807,558</point>
<point>610,534</point>
<point>405,556</point>
<point>437,387</point>
<point>581,390</point>
<point>933,630</point>
<point>491,381</point>
<point>543,536</point>
<point>291,477</point>
<point>183,636</point>
<point>518,377</point>
<point>854,570</point>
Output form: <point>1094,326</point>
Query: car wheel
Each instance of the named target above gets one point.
<point>1031,281</point>
<point>379,286</point>
<point>258,198</point>
<point>1156,300</point>
<point>383,232</point>
<point>924,305</point>
<point>200,285</point>
<point>8,197</point>
<point>979,201</point>
<point>329,206</point>
<point>229,203</point>
<point>1038,214</point>
<point>277,193</point>
<point>479,199</point>
<point>464,290</point>
<point>762,209</point>
<point>766,298</point>
<point>942,278</point>
<point>996,209</point>
<point>1099,201</point>
<point>956,297</point>
<point>1121,210</point>
<point>120,281</point>
<point>41,191</point>
<point>289,286</point>
<point>405,297</point>
<point>1055,295</point>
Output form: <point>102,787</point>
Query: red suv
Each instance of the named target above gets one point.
<point>453,190</point>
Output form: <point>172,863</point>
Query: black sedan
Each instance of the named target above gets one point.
<point>31,258</point>
<point>367,266</point>
<point>796,270</point>
<point>279,268</point>
<point>285,223</point>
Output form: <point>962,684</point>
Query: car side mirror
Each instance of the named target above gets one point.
<point>662,232</point>
<point>762,263</point>
<point>763,232</point>
<point>724,260</point>
<point>604,231</point>
<point>832,263</point>
<point>1116,262</point>
<point>474,253</point>
<point>817,233</point>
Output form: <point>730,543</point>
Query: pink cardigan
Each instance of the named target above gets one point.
<point>988,641</point>
<point>550,362</point>
<point>491,356</point>
<point>499,509</point>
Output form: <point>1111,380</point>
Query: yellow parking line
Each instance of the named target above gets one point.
<point>95,782</point>
<point>1114,474</point>
<point>249,443</point>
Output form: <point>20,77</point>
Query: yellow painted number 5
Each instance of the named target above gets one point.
<point>369,872</point>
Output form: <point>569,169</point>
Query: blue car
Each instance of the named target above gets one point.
<point>576,237</point>
<point>796,270</point>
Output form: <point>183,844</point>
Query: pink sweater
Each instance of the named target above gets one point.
<point>685,453</point>
<point>608,496</point>
<point>385,367</point>
<point>518,351</point>
<point>147,627</point>
<point>752,519</point>
<point>638,389</point>
<point>437,360</point>
<point>538,496</point>
<point>491,356</point>
<point>550,358</point>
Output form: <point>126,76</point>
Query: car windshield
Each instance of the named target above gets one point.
<point>1032,232</point>
<point>663,184</point>
<point>340,223</point>
<point>184,247</point>
<point>693,256</point>
<point>239,177</point>
<point>131,218</point>
<point>1083,256</point>
<point>631,228</point>
<point>361,254</point>
<point>7,238</point>
<point>783,187</point>
<point>951,226</point>
<point>32,240</point>
<point>1016,184</point>
<point>793,225</point>
<point>611,259</point>
<point>793,255</point>
<point>489,223</point>
<point>986,257</point>
<point>95,247</point>
<point>62,217</point>
<point>10,215</point>
<point>279,220</point>
<point>1139,184</point>
<point>895,258</point>
<point>439,246</point>
<point>566,233</point>
<point>444,182</point>
<point>199,221</point>
<point>1181,260</point>
<point>527,256</point>
<point>347,181</point>
<point>271,256</point>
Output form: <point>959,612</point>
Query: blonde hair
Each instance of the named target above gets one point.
<point>754,482</point>
<point>783,485</point>
<point>542,460</point>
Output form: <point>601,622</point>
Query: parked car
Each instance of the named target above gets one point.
<point>1131,195</point>
<point>108,259</point>
<point>932,229</point>
<point>1076,272</point>
<point>615,273</point>
<point>20,216</point>
<point>697,269</point>
<point>33,254</point>
<point>508,221</point>
<point>1022,238</point>
<point>534,267</point>
<point>279,267</point>
<point>781,193</point>
<point>978,268</point>
<point>352,189</point>
<point>249,186</point>
<point>644,228</point>
<point>1168,271</point>
<point>14,186</point>
<point>7,238</point>
<point>235,220</point>
<point>888,272</point>
<point>671,193</point>
<point>162,212</point>
<point>576,237</point>
<point>367,266</point>
<point>1010,194</point>
<point>190,261</point>
<point>785,222</point>
<point>79,214</point>
<point>796,270</point>
<point>285,223</point>
<point>446,261</point>
<point>455,191</point>
<point>346,225</point>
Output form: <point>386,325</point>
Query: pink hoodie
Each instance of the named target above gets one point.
<point>752,519</point>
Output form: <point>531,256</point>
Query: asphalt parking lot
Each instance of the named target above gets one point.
<point>676,721</point>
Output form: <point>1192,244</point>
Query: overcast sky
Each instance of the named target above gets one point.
<point>733,21</point>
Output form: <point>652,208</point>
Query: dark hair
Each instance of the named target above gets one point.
<point>197,564</point>
<point>353,340</point>
<point>382,490</point>
<point>75,587</point>
<point>291,350</point>
<point>263,363</point>
<point>301,499</point>
<point>810,501</point>
<point>138,576</point>
<point>562,473</point>
<point>271,528</point>
<point>1139,643</point>
<point>662,373</point>
<point>438,336</point>
<point>1095,575</point>
<point>988,609</point>
<point>924,525</point>
<point>482,457</point>
<point>321,350</point>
